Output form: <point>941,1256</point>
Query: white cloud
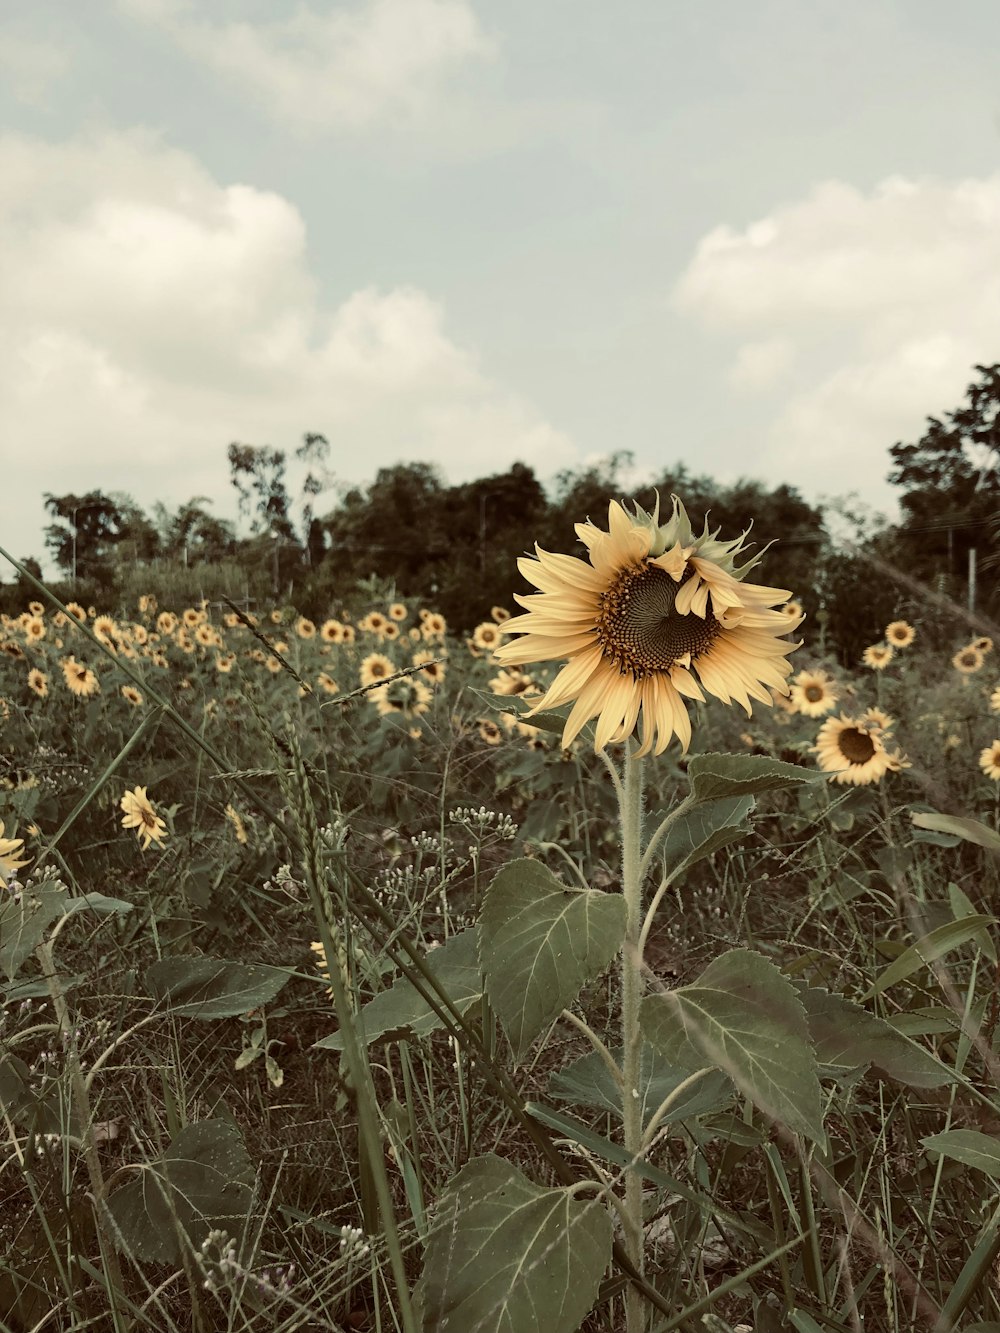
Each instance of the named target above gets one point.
<point>331,67</point>
<point>152,315</point>
<point>884,301</point>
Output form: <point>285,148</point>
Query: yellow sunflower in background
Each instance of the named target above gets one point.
<point>989,762</point>
<point>397,611</point>
<point>391,630</point>
<point>79,678</point>
<point>131,695</point>
<point>38,682</point>
<point>878,656</point>
<point>432,670</point>
<point>499,614</point>
<point>968,660</point>
<point>878,718</point>
<point>408,698</point>
<point>305,628</point>
<point>509,681</point>
<point>327,683</point>
<point>852,751</point>
<point>656,616</point>
<point>36,608</point>
<point>375,667</point>
<point>900,634</point>
<point>489,731</point>
<point>166,622</point>
<point>76,611</point>
<point>995,700</point>
<point>34,629</point>
<point>984,643</point>
<point>433,626</point>
<point>487,635</point>
<point>10,852</point>
<point>793,612</point>
<point>138,813</point>
<point>813,693</point>
<point>191,618</point>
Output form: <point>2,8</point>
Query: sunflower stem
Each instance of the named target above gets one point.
<point>631,828</point>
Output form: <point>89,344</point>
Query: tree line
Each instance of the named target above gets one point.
<point>456,545</point>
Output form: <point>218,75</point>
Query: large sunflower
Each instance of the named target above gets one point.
<point>656,615</point>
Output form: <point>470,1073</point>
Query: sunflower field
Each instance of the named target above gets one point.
<point>621,961</point>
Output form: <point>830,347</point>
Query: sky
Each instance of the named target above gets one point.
<point>762,240</point>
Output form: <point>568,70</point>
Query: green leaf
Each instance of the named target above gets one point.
<point>588,1082</point>
<point>745,1018</point>
<point>846,1036</point>
<point>23,923</point>
<point>716,777</point>
<point>700,830</point>
<point>971,830</point>
<point>506,1255</point>
<point>961,905</point>
<point>402,1009</point>
<point>928,949</point>
<point>967,1146</point>
<point>550,720</point>
<point>212,988</point>
<point>540,942</point>
<point>204,1179</point>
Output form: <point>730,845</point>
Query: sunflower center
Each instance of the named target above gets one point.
<point>856,746</point>
<point>638,628</point>
<point>814,693</point>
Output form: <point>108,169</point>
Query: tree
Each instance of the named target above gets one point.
<point>194,535</point>
<point>258,474</point>
<point>951,486</point>
<point>91,530</point>
<point>313,451</point>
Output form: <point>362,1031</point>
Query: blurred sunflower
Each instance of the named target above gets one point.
<point>407,698</point>
<point>131,695</point>
<point>487,635</point>
<point>432,670</point>
<point>995,700</point>
<point>968,660</point>
<point>34,629</point>
<point>327,683</point>
<point>79,678</point>
<point>38,682</point>
<point>10,851</point>
<point>332,631</point>
<point>813,693</point>
<point>878,718</point>
<point>489,731</point>
<point>105,628</point>
<point>792,611</point>
<point>499,614</point>
<point>434,626</point>
<point>191,618</point>
<point>877,656</point>
<point>989,762</point>
<point>36,608</point>
<point>397,611</point>
<point>76,611</point>
<point>851,751</point>
<point>166,622</point>
<point>375,667</point>
<point>900,634</point>
<point>305,628</point>
<point>984,643</point>
<point>655,607</point>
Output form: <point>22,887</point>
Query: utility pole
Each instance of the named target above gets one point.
<point>972,579</point>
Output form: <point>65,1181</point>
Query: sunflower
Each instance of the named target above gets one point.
<point>147,604</point>
<point>984,643</point>
<point>166,622</point>
<point>375,667</point>
<point>968,660</point>
<point>655,606</point>
<point>995,700</point>
<point>332,631</point>
<point>34,629</point>
<point>487,635</point>
<point>192,618</point>
<point>391,630</point>
<point>989,762</point>
<point>348,634</point>
<point>878,656</point>
<point>813,693</point>
<point>900,634</point>
<point>38,681</point>
<point>793,612</point>
<point>79,678</point>
<point>407,698</point>
<point>509,681</point>
<point>36,608</point>
<point>374,622</point>
<point>489,731</point>
<point>76,611</point>
<point>851,751</point>
<point>131,695</point>
<point>105,628</point>
<point>140,815</point>
<point>878,718</point>
<point>277,617</point>
<point>433,670</point>
<point>305,628</point>
<point>397,611</point>
<point>434,626</point>
<point>10,850</point>
<point>140,634</point>
<point>327,683</point>
<point>499,614</point>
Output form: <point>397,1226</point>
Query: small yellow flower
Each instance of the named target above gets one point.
<point>968,660</point>
<point>852,751</point>
<point>224,662</point>
<point>877,656</point>
<point>36,608</point>
<point>995,700</point>
<point>305,628</point>
<point>432,670</point>
<point>499,614</point>
<point>140,815</point>
<point>131,695</point>
<point>989,762</point>
<point>206,636</point>
<point>192,618</point>
<point>397,611</point>
<point>794,613</point>
<point>38,681</point>
<point>434,626</point>
<point>166,622</point>
<point>10,849</point>
<point>34,629</point>
<point>900,634</point>
<point>984,643</point>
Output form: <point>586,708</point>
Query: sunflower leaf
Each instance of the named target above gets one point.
<point>540,942</point>
<point>505,1253</point>
<point>211,987</point>
<point>716,777</point>
<point>702,829</point>
<point>971,830</point>
<point>551,720</point>
<point>402,1008</point>
<point>588,1082</point>
<point>744,1017</point>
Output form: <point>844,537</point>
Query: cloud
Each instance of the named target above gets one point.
<point>152,315</point>
<point>332,67</point>
<point>30,67</point>
<point>868,310</point>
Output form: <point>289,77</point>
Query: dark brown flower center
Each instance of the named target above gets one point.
<point>856,745</point>
<point>814,693</point>
<point>638,628</point>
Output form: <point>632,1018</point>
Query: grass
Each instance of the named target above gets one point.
<point>380,834</point>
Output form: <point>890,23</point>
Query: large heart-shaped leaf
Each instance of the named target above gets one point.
<point>212,987</point>
<point>402,1009</point>
<point>540,942</point>
<point>744,1017</point>
<point>716,777</point>
<point>702,829</point>
<point>846,1036</point>
<point>204,1180</point>
<point>506,1255</point>
<point>589,1082</point>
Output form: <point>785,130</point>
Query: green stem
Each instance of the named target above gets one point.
<point>631,826</point>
